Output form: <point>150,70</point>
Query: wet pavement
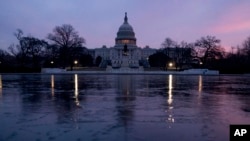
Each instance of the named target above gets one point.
<point>80,107</point>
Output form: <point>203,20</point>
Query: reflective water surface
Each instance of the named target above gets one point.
<point>78,107</point>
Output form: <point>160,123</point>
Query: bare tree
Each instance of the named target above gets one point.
<point>67,39</point>
<point>180,54</point>
<point>52,55</point>
<point>167,45</point>
<point>184,54</point>
<point>18,34</point>
<point>29,48</point>
<point>4,55</point>
<point>208,48</point>
<point>246,46</point>
<point>18,50</point>
<point>34,49</point>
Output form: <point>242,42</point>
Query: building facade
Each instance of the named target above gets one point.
<point>125,52</point>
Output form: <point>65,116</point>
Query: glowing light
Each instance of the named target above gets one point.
<point>52,62</point>
<point>201,63</point>
<point>75,62</point>
<point>76,90</point>
<point>171,119</point>
<point>125,41</point>
<point>200,83</point>
<point>1,85</point>
<point>170,64</point>
<point>170,87</point>
<point>169,111</point>
<point>52,81</point>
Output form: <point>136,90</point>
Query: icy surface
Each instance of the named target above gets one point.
<point>71,107</point>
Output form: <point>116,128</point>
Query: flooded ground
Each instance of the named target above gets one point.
<point>39,107</point>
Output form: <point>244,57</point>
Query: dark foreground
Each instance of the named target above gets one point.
<point>122,107</point>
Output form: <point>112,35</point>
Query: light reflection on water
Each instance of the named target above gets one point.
<point>76,89</point>
<point>52,85</point>
<point>124,107</point>
<point>200,84</point>
<point>170,87</point>
<point>1,86</point>
<point>170,107</point>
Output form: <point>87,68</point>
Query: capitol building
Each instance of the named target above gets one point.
<point>125,53</point>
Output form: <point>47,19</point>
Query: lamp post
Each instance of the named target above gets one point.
<point>75,62</point>
<point>201,64</point>
<point>52,63</point>
<point>170,64</point>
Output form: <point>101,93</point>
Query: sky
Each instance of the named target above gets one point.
<point>152,20</point>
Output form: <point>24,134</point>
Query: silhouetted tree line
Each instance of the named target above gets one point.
<point>64,48</point>
<point>238,60</point>
<point>206,52</point>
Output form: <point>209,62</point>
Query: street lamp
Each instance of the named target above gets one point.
<point>75,62</point>
<point>170,64</point>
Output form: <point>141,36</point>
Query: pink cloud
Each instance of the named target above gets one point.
<point>232,20</point>
<point>233,27</point>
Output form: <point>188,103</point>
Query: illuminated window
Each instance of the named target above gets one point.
<point>125,41</point>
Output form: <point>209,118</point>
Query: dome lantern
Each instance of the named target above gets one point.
<point>125,18</point>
